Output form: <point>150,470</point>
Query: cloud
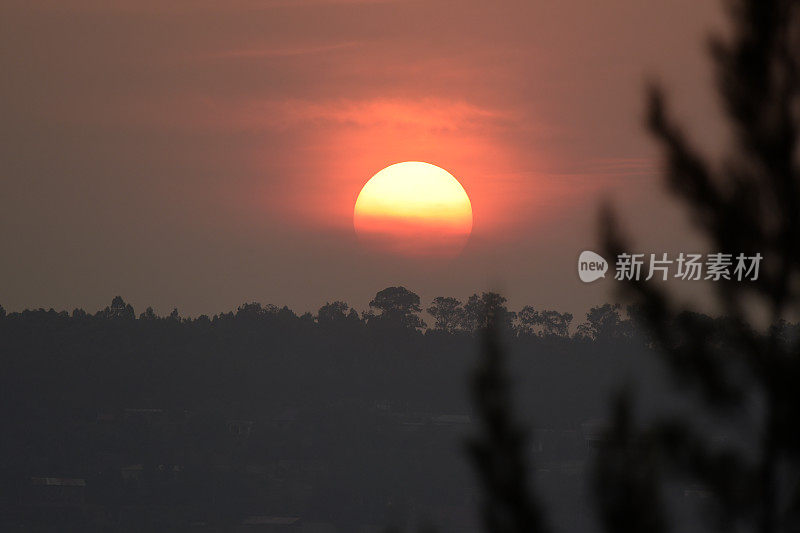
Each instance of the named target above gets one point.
<point>258,53</point>
<point>176,6</point>
<point>424,113</point>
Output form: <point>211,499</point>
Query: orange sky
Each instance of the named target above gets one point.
<point>207,153</point>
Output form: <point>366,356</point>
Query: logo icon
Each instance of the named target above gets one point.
<point>591,266</point>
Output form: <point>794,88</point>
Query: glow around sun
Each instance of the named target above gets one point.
<point>413,209</point>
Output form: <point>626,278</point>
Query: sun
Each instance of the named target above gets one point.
<point>413,209</point>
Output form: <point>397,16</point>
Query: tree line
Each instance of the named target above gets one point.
<point>393,308</point>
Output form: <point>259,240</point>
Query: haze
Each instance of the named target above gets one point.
<point>202,155</point>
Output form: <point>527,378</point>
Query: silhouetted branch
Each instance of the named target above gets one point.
<point>499,452</point>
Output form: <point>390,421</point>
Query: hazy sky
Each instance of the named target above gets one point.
<point>206,154</point>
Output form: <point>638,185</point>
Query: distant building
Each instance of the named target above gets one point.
<point>56,491</point>
<point>427,419</point>
<point>270,524</point>
<point>451,420</point>
<point>240,428</point>
<point>594,433</point>
<point>148,414</point>
<point>132,473</point>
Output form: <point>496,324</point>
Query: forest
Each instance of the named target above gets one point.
<point>337,421</point>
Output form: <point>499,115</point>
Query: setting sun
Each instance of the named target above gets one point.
<point>413,209</point>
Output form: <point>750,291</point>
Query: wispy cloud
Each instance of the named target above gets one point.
<point>422,113</point>
<point>258,53</point>
<point>178,6</point>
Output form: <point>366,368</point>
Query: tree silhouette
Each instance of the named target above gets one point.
<point>748,202</point>
<point>447,312</point>
<point>251,311</point>
<point>398,306</point>
<point>119,310</point>
<point>489,305</point>
<point>544,323</point>
<point>148,314</point>
<point>332,312</point>
<point>602,322</point>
